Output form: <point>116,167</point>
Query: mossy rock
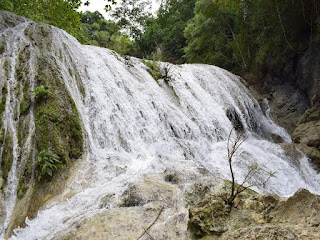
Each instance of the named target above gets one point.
<point>2,48</point>
<point>209,219</point>
<point>3,101</point>
<point>7,157</point>
<point>307,131</point>
<point>57,124</point>
<point>312,114</point>
<point>153,69</point>
<point>312,153</point>
<point>131,198</point>
<point>302,205</point>
<point>308,134</point>
<point>58,127</point>
<point>22,66</point>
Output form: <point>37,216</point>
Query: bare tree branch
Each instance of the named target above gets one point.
<point>146,229</point>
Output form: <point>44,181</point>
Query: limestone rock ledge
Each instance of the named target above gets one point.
<point>188,204</point>
<point>259,217</point>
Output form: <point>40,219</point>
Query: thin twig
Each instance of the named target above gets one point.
<point>146,230</point>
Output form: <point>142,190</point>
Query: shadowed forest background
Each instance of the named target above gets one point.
<point>238,35</point>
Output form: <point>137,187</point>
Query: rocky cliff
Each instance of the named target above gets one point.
<point>293,91</point>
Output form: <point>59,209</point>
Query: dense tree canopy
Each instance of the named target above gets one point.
<point>163,37</point>
<point>100,32</point>
<point>60,13</point>
<point>239,35</point>
<point>131,15</point>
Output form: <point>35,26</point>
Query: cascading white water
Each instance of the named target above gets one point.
<point>9,119</point>
<point>141,126</point>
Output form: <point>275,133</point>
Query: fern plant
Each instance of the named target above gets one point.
<point>48,162</point>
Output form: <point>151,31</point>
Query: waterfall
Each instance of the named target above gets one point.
<point>135,125</point>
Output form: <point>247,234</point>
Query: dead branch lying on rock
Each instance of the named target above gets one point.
<point>147,229</point>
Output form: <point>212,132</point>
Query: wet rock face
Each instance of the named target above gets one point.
<point>307,133</point>
<point>30,124</point>
<point>287,105</point>
<point>235,119</point>
<point>9,20</point>
<point>151,201</point>
<point>294,95</point>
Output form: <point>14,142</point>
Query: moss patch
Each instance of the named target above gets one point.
<point>22,66</point>
<point>153,69</point>
<point>208,219</point>
<point>2,49</point>
<point>22,189</point>
<point>44,32</point>
<point>26,99</point>
<point>7,157</point>
<point>4,92</point>
<point>2,136</point>
<point>58,128</point>
<point>6,68</point>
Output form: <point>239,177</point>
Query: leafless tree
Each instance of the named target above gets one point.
<point>254,169</point>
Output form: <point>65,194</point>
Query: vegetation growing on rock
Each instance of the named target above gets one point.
<point>57,122</point>
<point>46,121</point>
<point>153,69</point>
<point>7,157</point>
<point>255,217</point>
<point>3,101</point>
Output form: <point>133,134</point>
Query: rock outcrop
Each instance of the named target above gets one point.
<point>37,115</point>
<point>294,96</point>
<point>257,217</point>
<point>185,209</point>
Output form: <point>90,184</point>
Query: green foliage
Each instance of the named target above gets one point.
<point>164,35</point>
<point>131,15</point>
<point>2,48</point>
<point>100,32</point>
<point>57,122</point>
<point>48,163</point>
<point>40,92</point>
<point>60,13</point>
<point>3,101</point>
<point>241,35</point>
<point>153,69</point>
<point>7,156</point>
<point>107,7</point>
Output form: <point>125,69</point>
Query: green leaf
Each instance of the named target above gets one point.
<point>254,166</point>
<point>49,171</point>
<point>271,174</point>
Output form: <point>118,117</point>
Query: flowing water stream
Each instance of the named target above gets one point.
<point>135,125</point>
